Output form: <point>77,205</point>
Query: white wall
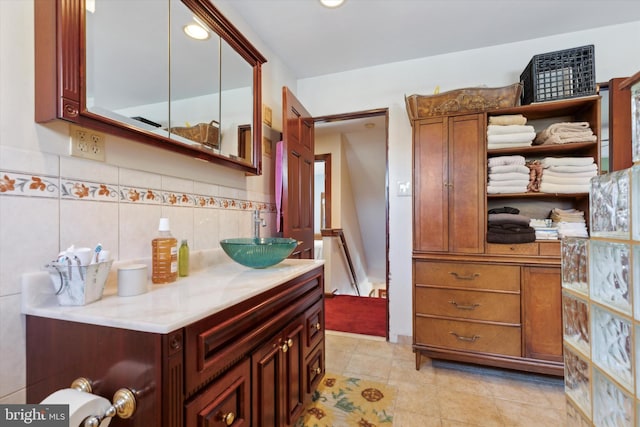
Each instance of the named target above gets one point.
<point>385,86</point>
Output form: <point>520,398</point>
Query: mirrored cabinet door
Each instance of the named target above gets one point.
<point>127,62</point>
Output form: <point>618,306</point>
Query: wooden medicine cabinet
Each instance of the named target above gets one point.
<point>128,68</point>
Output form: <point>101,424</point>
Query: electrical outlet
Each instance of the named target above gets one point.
<point>87,144</point>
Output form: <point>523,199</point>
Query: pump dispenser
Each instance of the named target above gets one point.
<point>164,258</point>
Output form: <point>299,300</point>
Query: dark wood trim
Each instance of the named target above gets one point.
<point>619,125</point>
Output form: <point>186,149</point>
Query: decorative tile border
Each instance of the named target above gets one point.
<point>23,184</point>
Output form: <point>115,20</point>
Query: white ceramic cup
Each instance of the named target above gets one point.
<point>132,280</point>
<point>84,255</point>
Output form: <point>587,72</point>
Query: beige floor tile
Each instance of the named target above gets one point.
<point>418,399</point>
<point>518,391</point>
<point>452,423</point>
<point>405,371</point>
<point>337,360</point>
<point>380,349</point>
<point>469,408</point>
<point>467,382</point>
<point>516,414</point>
<point>412,419</point>
<point>404,352</point>
<point>371,366</point>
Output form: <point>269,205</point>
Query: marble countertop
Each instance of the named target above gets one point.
<point>164,308</point>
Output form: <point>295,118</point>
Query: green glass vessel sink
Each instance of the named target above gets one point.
<point>260,252</point>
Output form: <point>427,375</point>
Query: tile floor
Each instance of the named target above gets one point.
<point>447,394</point>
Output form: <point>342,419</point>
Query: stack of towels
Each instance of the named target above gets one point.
<point>566,132</point>
<point>570,222</point>
<point>544,229</point>
<point>507,174</point>
<point>506,225</point>
<point>567,174</point>
<point>509,131</point>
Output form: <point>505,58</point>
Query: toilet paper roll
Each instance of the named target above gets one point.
<point>81,405</point>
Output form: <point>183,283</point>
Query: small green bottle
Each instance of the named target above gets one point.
<point>183,259</point>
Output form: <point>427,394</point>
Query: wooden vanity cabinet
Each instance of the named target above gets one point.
<point>474,301</point>
<point>255,363</point>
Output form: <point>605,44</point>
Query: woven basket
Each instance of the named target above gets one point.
<point>467,100</point>
<point>204,133</point>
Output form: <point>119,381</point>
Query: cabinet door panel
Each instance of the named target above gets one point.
<point>430,170</point>
<point>542,311</point>
<point>466,184</point>
<point>267,389</point>
<point>226,400</point>
<point>293,370</point>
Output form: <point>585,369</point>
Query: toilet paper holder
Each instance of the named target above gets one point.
<point>124,403</point>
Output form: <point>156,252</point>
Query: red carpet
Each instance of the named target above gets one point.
<point>357,315</point>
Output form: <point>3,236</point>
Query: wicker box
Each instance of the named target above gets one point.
<point>556,75</point>
<point>467,100</point>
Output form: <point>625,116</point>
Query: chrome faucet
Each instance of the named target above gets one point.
<point>257,223</point>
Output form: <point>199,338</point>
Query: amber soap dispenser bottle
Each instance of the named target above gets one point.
<point>164,258</point>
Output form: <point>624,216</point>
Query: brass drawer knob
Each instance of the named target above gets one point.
<point>317,326</point>
<point>317,370</point>
<point>290,342</point>
<point>228,418</point>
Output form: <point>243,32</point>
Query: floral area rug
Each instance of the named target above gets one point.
<point>344,402</point>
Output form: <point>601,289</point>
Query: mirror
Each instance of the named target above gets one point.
<point>146,79</point>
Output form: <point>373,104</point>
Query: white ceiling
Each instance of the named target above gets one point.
<point>313,40</point>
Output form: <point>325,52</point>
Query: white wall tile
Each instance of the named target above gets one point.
<point>180,220</point>
<point>15,159</point>
<point>131,177</point>
<point>138,226</point>
<point>206,229</point>
<point>85,224</point>
<point>29,236</point>
<point>12,345</point>
<point>72,167</point>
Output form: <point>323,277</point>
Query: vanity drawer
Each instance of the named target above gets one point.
<point>469,336</point>
<point>467,275</point>
<point>490,306</point>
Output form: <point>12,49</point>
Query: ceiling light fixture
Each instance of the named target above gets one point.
<point>196,30</point>
<point>332,3</point>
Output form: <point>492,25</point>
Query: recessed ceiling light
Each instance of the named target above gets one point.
<point>197,31</point>
<point>332,3</point>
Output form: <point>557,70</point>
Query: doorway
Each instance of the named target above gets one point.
<point>351,198</point>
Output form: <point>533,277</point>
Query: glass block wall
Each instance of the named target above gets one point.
<point>601,307</point>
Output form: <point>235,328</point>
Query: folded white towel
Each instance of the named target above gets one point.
<point>506,160</point>
<point>546,187</point>
<point>509,129</point>
<point>495,189</point>
<point>566,161</point>
<point>511,137</point>
<point>507,176</point>
<point>502,146</point>
<point>566,180</point>
<point>592,168</point>
<point>510,183</point>
<point>508,119</point>
<point>568,173</point>
<point>509,168</point>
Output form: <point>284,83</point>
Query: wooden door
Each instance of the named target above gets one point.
<point>297,174</point>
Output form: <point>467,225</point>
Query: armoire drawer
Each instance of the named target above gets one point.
<point>467,275</point>
<point>469,336</point>
<point>513,249</point>
<point>489,306</point>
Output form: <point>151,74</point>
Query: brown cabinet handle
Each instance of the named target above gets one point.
<point>463,338</point>
<point>464,307</point>
<point>228,418</point>
<point>469,277</point>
